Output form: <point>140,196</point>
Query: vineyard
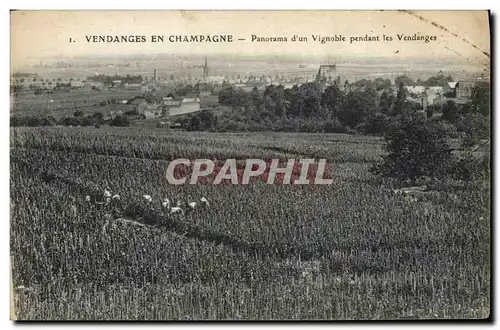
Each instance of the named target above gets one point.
<point>347,251</point>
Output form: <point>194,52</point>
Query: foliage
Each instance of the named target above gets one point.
<point>417,148</point>
<point>450,111</point>
<point>470,167</point>
<point>358,105</point>
<point>400,102</point>
<point>481,102</point>
<point>376,124</point>
<point>120,121</point>
<point>204,120</point>
<point>475,126</point>
<point>440,79</point>
<point>404,80</point>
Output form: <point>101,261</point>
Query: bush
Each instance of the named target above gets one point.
<point>475,126</point>
<point>450,111</point>
<point>309,126</point>
<point>86,121</point>
<point>333,126</point>
<point>202,121</point>
<point>448,128</point>
<point>471,168</point>
<point>70,121</point>
<point>120,121</point>
<point>32,121</point>
<point>98,117</point>
<point>376,124</point>
<point>417,148</point>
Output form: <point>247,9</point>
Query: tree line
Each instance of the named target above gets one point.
<point>365,106</point>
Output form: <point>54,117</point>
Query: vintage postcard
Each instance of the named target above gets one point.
<point>250,165</point>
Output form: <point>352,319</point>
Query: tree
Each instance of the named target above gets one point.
<point>475,126</point>
<point>98,117</point>
<point>274,99</point>
<point>376,124</point>
<point>120,121</point>
<point>358,105</point>
<point>417,148</point>
<point>185,90</point>
<point>481,98</point>
<point>78,114</point>
<point>255,97</point>
<point>333,100</point>
<point>202,121</point>
<point>385,103</point>
<point>404,79</point>
<point>366,83</point>
<point>305,101</point>
<point>226,95</point>
<point>438,80</point>
<point>381,83</point>
<point>450,111</point>
<point>399,104</point>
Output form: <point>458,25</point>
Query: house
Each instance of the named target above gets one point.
<point>247,89</point>
<point>172,107</point>
<point>114,113</point>
<point>439,100</point>
<point>152,111</point>
<point>133,86</point>
<point>215,79</point>
<point>139,105</point>
<point>171,102</point>
<point>190,104</point>
<point>119,109</point>
<point>434,93</point>
<point>415,90</point>
<point>464,88</point>
<point>326,72</point>
<point>451,85</point>
<point>450,88</point>
<point>116,84</point>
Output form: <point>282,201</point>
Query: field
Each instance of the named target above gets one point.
<point>62,103</point>
<point>347,251</point>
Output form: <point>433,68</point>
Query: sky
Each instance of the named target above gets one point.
<point>46,34</point>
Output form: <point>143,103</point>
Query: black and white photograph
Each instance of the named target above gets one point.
<point>251,165</point>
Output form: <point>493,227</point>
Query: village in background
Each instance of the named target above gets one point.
<point>163,93</point>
